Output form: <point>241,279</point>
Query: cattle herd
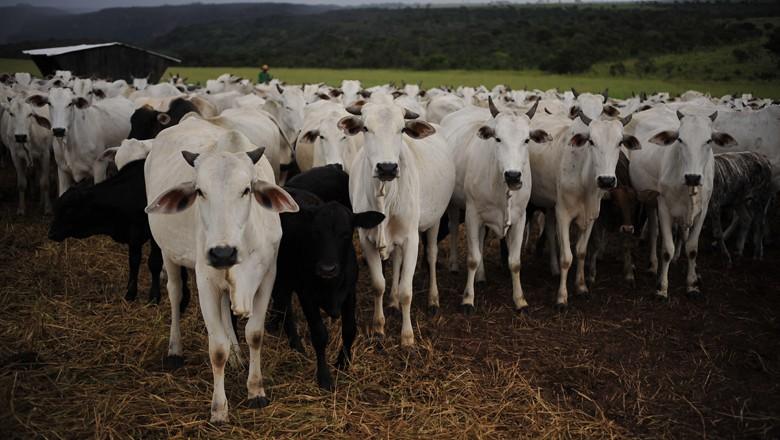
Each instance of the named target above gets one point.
<point>260,188</point>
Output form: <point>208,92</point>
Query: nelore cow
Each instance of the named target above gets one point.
<point>676,160</point>
<point>317,261</point>
<point>571,174</point>
<point>222,220</point>
<point>147,122</point>
<point>493,185</point>
<point>405,172</point>
<point>27,134</point>
<point>742,184</point>
<point>114,207</point>
<point>82,131</point>
<point>321,142</point>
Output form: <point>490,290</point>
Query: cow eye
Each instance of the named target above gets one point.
<point>365,129</point>
<point>709,141</point>
<point>498,139</point>
<point>527,140</point>
<point>199,193</point>
<point>590,141</point>
<point>322,137</point>
<point>10,114</point>
<point>246,191</point>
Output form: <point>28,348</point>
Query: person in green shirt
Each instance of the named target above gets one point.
<point>264,77</point>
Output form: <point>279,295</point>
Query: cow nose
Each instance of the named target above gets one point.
<point>606,182</point>
<point>693,179</point>
<point>58,132</point>
<point>327,270</point>
<point>21,138</point>
<point>387,170</point>
<point>222,256</point>
<point>513,178</point>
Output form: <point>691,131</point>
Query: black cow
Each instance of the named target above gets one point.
<point>147,123</point>
<point>317,260</point>
<point>329,183</point>
<point>114,207</point>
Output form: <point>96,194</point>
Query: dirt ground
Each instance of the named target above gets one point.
<point>77,361</point>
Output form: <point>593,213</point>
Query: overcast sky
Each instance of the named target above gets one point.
<point>92,5</point>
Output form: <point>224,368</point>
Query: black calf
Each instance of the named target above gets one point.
<point>147,123</point>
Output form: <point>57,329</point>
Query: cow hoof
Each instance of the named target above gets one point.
<point>661,297</point>
<point>584,295</point>
<point>258,402</point>
<point>342,363</point>
<point>130,295</point>
<point>522,311</point>
<point>378,341</point>
<point>433,311</point>
<point>561,307</point>
<point>154,299</point>
<point>173,362</point>
<point>694,294</point>
<point>467,309</point>
<point>326,383</point>
<point>297,346</point>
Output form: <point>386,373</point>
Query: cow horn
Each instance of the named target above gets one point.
<point>492,107</point>
<point>585,120</point>
<point>626,120</point>
<point>680,115</point>
<point>574,92</point>
<point>714,116</point>
<point>356,108</point>
<point>606,95</point>
<point>279,88</point>
<point>532,111</point>
<point>408,114</point>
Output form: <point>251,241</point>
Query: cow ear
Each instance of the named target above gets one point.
<point>174,200</point>
<point>630,142</point>
<point>418,129</point>
<point>610,111</point>
<point>273,197</point>
<point>540,136</point>
<point>574,112</point>
<point>109,154</point>
<point>190,157</point>
<point>351,125</point>
<point>335,93</point>
<point>37,100</point>
<point>486,132</point>
<point>255,154</point>
<point>311,136</point>
<point>356,108</point>
<point>100,94</point>
<point>408,114</point>
<point>665,138</point>
<point>163,118</point>
<point>323,96</point>
<point>578,140</point>
<point>647,195</point>
<point>367,220</point>
<point>81,102</point>
<point>42,121</point>
<point>724,140</point>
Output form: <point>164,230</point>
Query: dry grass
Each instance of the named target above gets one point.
<point>77,361</point>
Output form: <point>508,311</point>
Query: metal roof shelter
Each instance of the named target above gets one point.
<point>106,60</point>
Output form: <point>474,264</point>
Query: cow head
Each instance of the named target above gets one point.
<point>62,106</point>
<point>508,135</point>
<point>330,143</point>
<point>225,186</point>
<point>330,241</point>
<point>383,127</point>
<point>140,83</point>
<point>601,141</point>
<point>694,140</point>
<point>147,123</point>
<point>23,114</point>
<point>286,105</point>
<point>350,90</point>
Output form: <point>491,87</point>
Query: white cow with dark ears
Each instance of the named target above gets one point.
<point>405,172</point>
<point>230,237</point>
<point>493,185</point>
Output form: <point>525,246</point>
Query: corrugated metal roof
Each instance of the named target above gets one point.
<point>54,51</point>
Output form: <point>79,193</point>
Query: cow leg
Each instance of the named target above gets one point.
<point>64,180</point>
<point>432,254</point>
<point>552,246</point>
<point>717,233</point>
<point>282,310</point>
<point>745,219</point>
<point>563,223</point>
<point>691,251</point>
<point>99,169</point>
<point>481,268</point>
<point>254,332</point>
<point>732,225</point>
<point>758,224</point>
<point>134,249</point>
<point>410,250</point>
<point>652,227</point>
<point>628,259</point>
<point>348,330</point>
<point>454,215</point>
<point>596,246</point>
<point>44,181</point>
<point>174,358</point>
<point>582,251</point>
<point>155,266</point>
<point>474,230</point>
<point>665,227</point>
<point>319,340</point>
<point>377,282</point>
<point>394,296</point>
<point>514,240</point>
<point>680,240</point>
<point>219,344</point>
<point>227,319</point>
<point>21,180</point>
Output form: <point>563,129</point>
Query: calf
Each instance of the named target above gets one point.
<point>146,122</point>
<point>114,207</point>
<point>317,260</point>
<point>743,183</point>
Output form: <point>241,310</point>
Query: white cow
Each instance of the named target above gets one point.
<point>676,160</point>
<point>230,237</point>
<point>350,90</point>
<point>82,131</point>
<point>140,84</point>
<point>128,151</point>
<point>493,185</point>
<point>321,142</point>
<point>286,106</point>
<point>570,176</point>
<point>443,105</point>
<point>27,134</point>
<point>161,90</point>
<point>405,172</point>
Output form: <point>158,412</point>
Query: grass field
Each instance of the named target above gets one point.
<point>598,80</point>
